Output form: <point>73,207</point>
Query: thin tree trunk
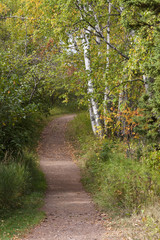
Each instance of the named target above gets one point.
<point>145,79</point>
<point>26,39</point>
<point>120,101</point>
<point>107,66</point>
<point>93,106</point>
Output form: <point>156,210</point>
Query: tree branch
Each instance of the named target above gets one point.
<point>35,87</point>
<point>19,17</point>
<point>98,34</point>
<point>129,81</point>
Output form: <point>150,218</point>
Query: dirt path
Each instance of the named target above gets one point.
<point>70,211</point>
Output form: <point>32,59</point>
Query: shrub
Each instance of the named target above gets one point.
<point>14,179</point>
<point>152,159</point>
<point>24,134</point>
<point>105,152</point>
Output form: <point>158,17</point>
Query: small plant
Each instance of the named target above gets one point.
<point>105,152</point>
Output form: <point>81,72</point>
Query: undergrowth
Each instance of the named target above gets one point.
<point>121,184</point>
<point>22,183</point>
<point>22,188</point>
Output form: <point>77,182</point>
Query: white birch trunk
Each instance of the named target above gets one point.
<point>120,101</point>
<point>93,107</point>
<point>107,65</point>
<point>145,78</point>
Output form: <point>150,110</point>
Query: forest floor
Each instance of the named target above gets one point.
<point>70,212</point>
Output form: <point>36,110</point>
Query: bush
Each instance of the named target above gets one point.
<point>24,134</point>
<point>152,159</point>
<point>105,152</point>
<point>14,180</point>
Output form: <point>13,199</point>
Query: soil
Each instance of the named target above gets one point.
<point>70,212</point>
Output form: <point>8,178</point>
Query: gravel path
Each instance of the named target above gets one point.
<point>70,213</point>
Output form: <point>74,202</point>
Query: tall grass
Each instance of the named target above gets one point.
<point>14,179</point>
<point>121,183</point>
<point>117,182</point>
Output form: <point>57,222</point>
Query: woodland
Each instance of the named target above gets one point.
<point>101,57</point>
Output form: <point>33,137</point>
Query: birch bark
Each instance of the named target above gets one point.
<point>107,65</point>
<point>145,80</point>
<point>93,106</point>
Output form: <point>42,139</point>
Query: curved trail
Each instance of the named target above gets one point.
<point>70,213</point>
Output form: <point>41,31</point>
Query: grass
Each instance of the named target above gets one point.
<point>16,220</point>
<point>14,223</point>
<point>125,188</point>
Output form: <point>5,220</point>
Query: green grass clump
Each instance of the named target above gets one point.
<point>79,129</point>
<point>37,179</point>
<point>14,179</point>
<point>22,188</point>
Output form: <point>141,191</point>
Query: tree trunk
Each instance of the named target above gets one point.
<point>107,65</point>
<point>93,106</point>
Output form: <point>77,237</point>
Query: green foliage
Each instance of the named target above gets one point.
<point>14,180</point>
<point>16,137</point>
<point>142,16</point>
<point>19,177</point>
<point>151,157</point>
<point>35,68</point>
<point>105,152</point>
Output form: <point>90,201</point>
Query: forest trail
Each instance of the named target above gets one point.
<point>70,213</point>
